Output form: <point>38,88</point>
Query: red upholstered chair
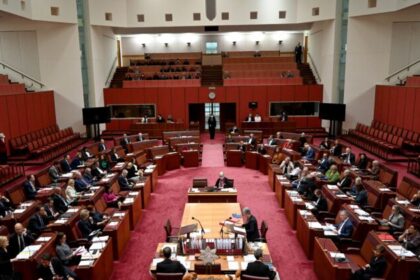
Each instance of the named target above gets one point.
<point>249,277</point>
<point>169,276</point>
<point>208,269</point>
<point>170,235</point>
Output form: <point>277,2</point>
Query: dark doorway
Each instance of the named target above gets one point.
<point>196,114</point>
<point>227,115</point>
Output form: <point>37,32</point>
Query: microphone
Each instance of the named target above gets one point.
<point>202,229</point>
<point>223,225</point>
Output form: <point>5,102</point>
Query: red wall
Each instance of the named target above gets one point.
<point>23,113</point>
<point>398,106</point>
<point>175,101</point>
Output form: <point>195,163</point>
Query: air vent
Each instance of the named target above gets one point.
<point>282,14</point>
<point>371,3</point>
<point>168,17</point>
<point>253,15</point>
<point>22,5</point>
<point>315,11</point>
<point>108,16</point>
<point>225,16</point>
<point>140,18</point>
<point>196,16</point>
<point>55,11</point>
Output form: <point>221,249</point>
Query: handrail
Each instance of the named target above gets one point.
<point>318,77</point>
<point>111,70</point>
<point>407,67</point>
<point>22,74</point>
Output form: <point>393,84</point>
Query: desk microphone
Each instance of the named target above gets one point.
<point>202,229</point>
<point>223,225</point>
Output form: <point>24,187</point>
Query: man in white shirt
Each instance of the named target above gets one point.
<point>257,118</point>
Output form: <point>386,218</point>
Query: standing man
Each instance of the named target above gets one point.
<point>212,126</point>
<point>3,150</point>
<point>250,225</point>
<point>298,53</point>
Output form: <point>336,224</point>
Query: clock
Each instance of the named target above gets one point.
<point>212,95</point>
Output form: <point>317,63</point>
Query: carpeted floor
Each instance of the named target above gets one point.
<point>168,203</point>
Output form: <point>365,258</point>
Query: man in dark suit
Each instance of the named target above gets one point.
<point>77,161</point>
<point>3,149</point>
<point>29,187</point>
<point>320,202</point>
<point>101,146</point>
<point>271,141</point>
<point>223,182</point>
<point>251,225</point>
<point>345,227</point>
<point>5,205</point>
<point>80,184</point>
<point>88,177</point>
<point>309,152</point>
<point>140,137</point>
<point>124,142</point>
<point>324,163</point>
<point>50,268</point>
<point>212,126</point>
<point>97,172</point>
<point>168,265</point>
<point>86,154</point>
<point>376,267</point>
<point>250,118</point>
<point>160,119</point>
<point>252,141</point>
<point>54,173</point>
<point>361,196</point>
<point>284,117</point>
<point>50,210</point>
<point>115,157</point>
<point>19,240</point>
<point>85,226</point>
<point>261,149</point>
<point>60,203</point>
<point>348,157</point>
<point>345,183</point>
<point>258,268</point>
<point>336,148</point>
<point>38,222</point>
<point>234,130</point>
<point>65,164</point>
<point>125,185</point>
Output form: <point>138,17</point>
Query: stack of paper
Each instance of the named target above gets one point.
<point>97,246</point>
<point>309,205</point>
<point>342,195</point>
<point>330,233</point>
<point>28,252</point>
<point>361,212</point>
<point>86,263</point>
<point>44,239</point>
<point>233,266</point>
<point>119,214</point>
<point>315,225</point>
<point>249,258</point>
<point>18,211</point>
<point>100,238</point>
<point>401,251</point>
<point>337,255</point>
<point>61,221</point>
<point>133,193</point>
<point>112,224</point>
<point>384,189</point>
<point>128,200</point>
<point>332,187</point>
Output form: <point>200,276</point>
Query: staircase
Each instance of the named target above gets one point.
<point>119,77</point>
<point>306,74</point>
<point>212,75</point>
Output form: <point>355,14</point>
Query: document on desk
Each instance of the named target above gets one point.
<point>366,218</point>
<point>330,233</point>
<point>72,210</point>
<point>133,193</point>
<point>249,258</point>
<point>233,266</point>
<point>97,246</point>
<point>28,252</point>
<point>86,263</point>
<point>332,187</point>
<point>309,205</point>
<point>100,238</point>
<point>384,189</point>
<point>60,221</point>
<point>230,258</point>
<point>361,212</point>
<point>112,224</point>
<point>337,255</point>
<point>18,211</point>
<point>44,239</point>
<point>401,251</point>
<point>315,225</point>
<point>128,200</point>
<point>342,195</point>
<point>156,261</point>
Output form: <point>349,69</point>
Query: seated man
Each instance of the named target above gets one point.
<point>234,130</point>
<point>325,144</point>
<point>5,205</point>
<point>411,239</point>
<point>124,142</point>
<point>115,157</point>
<point>54,173</point>
<point>38,222</point>
<point>160,119</point>
<point>415,200</point>
<point>361,197</point>
<point>252,142</point>
<point>65,164</point>
<point>320,202</point>
<point>258,268</point>
<point>19,240</point>
<point>80,184</point>
<point>250,225</point>
<point>101,146</point>
<point>345,227</point>
<point>77,162</point>
<point>345,183</point>
<point>309,152</point>
<point>348,157</point>
<point>85,226</point>
<point>88,177</point>
<point>336,148</point>
<point>250,118</point>
<point>97,219</point>
<point>324,163</point>
<point>60,203</point>
<point>257,118</point>
<point>140,137</point>
<point>223,182</point>
<point>125,185</point>
<point>296,183</point>
<point>271,141</point>
<point>374,170</point>
<point>86,154</point>
<point>261,149</point>
<point>29,187</point>
<point>307,187</point>
<point>376,267</point>
<point>51,268</point>
<point>97,172</point>
<point>168,265</point>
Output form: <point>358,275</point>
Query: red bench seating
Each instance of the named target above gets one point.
<point>378,142</point>
<point>260,66</point>
<point>411,138</point>
<point>9,173</point>
<point>20,144</point>
<point>260,73</point>
<point>162,83</point>
<point>263,81</point>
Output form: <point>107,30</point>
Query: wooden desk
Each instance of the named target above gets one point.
<point>66,222</point>
<point>133,205</point>
<point>361,227</point>
<point>234,158</point>
<point>305,234</point>
<point>378,194</point>
<point>21,214</point>
<point>101,268</point>
<point>251,160</point>
<point>326,268</point>
<point>152,172</point>
<point>142,145</point>
<point>210,215</point>
<point>155,130</point>
<point>190,158</point>
<point>294,155</point>
<point>172,161</point>
<point>292,202</point>
<point>340,163</point>
<point>335,198</point>
<point>263,162</point>
<point>281,184</point>
<point>44,193</point>
<point>198,195</point>
<point>27,267</point>
<point>273,171</point>
<point>118,228</point>
<point>91,198</point>
<point>187,147</point>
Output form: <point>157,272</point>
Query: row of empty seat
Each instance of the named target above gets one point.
<point>263,81</point>
<point>19,144</point>
<point>161,83</point>
<point>411,138</point>
<point>261,73</point>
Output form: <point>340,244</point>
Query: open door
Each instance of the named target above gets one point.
<point>227,115</point>
<point>196,114</point>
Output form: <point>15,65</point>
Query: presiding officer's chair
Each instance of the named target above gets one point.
<point>169,276</point>
<point>249,277</point>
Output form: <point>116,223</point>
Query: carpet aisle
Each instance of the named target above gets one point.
<point>168,203</point>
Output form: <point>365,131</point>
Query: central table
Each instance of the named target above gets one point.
<point>201,195</point>
<point>210,215</point>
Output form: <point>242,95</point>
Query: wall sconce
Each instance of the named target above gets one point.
<point>166,44</point>
<point>234,43</point>
<point>280,42</point>
<point>144,45</point>
<point>189,44</point>
<point>257,43</point>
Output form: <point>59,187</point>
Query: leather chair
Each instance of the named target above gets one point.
<point>170,236</point>
<point>208,269</point>
<point>249,277</point>
<point>169,276</point>
<point>200,183</point>
<point>263,232</point>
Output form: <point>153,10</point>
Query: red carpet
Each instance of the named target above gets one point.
<point>169,200</point>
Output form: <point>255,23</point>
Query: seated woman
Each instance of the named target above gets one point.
<point>71,195</point>
<point>277,157</point>
<point>358,183</point>
<point>395,221</point>
<point>361,196</point>
<point>286,166</point>
<point>133,174</point>
<point>411,239</point>
<point>363,162</point>
<point>66,255</point>
<point>332,175</point>
<point>6,267</point>
<point>111,199</point>
<point>376,267</point>
<point>374,171</point>
<point>415,200</point>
